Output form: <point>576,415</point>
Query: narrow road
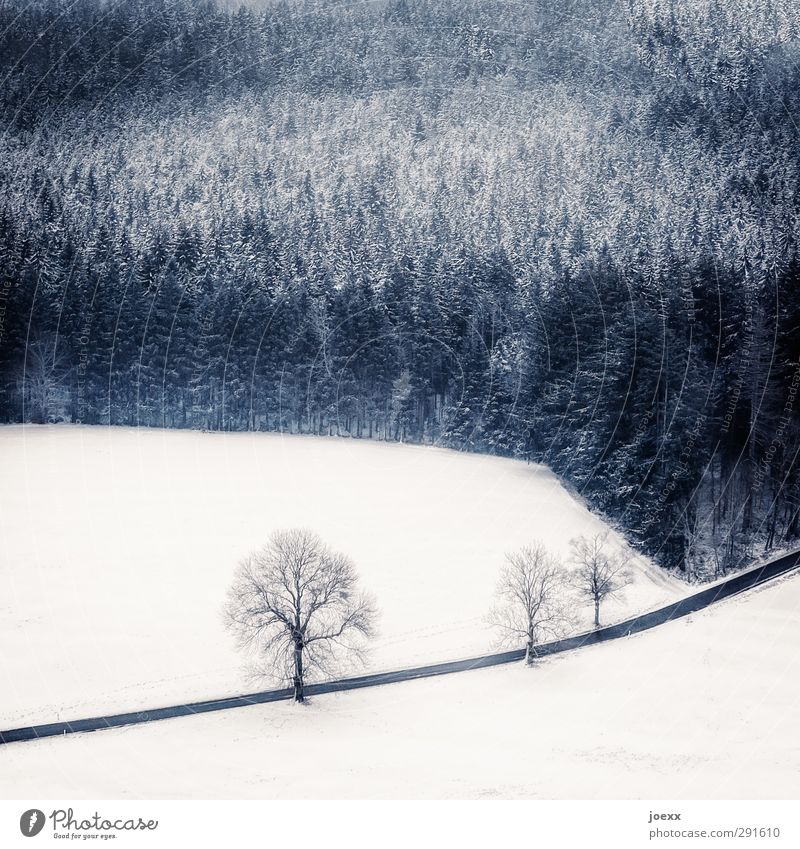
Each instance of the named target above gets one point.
<point>730,587</point>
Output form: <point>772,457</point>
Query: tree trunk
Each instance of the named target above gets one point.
<point>597,613</point>
<point>772,522</point>
<point>299,690</point>
<point>529,653</point>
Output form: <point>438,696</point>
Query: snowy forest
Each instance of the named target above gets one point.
<point>563,230</point>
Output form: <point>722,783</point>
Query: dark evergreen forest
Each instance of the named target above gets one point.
<point>564,230</point>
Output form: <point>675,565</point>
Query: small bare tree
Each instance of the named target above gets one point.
<point>531,602</point>
<point>42,377</point>
<point>295,603</point>
<point>599,574</point>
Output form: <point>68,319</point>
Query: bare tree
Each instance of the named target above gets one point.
<point>295,603</point>
<point>531,603</point>
<point>42,376</point>
<point>599,573</point>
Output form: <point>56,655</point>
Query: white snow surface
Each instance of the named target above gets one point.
<point>117,546</point>
<point>704,707</point>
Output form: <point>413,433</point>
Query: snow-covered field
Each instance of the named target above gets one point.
<point>118,546</point>
<point>704,707</point>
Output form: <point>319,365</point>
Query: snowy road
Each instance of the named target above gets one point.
<point>722,590</point>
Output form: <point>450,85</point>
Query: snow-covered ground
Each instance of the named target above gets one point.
<point>118,546</point>
<point>703,707</point>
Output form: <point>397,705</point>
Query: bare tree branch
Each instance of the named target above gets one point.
<point>42,377</point>
<point>600,573</point>
<point>293,602</point>
<point>531,603</point>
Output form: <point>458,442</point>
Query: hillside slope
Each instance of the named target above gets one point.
<point>118,546</point>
